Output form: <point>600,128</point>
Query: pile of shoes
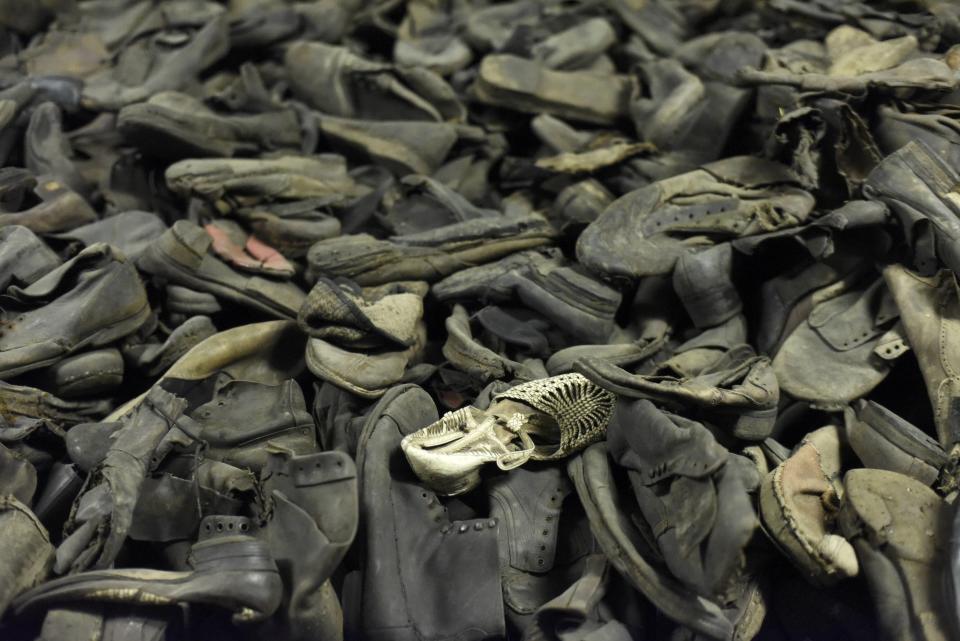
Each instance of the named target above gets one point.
<point>429,320</point>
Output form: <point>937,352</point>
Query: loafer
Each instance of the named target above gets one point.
<point>404,526</point>
<point>231,570</point>
<point>181,256</point>
<point>798,502</point>
<point>645,231</point>
<point>566,413</point>
<point>99,292</point>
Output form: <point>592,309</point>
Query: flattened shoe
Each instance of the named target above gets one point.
<point>60,209</point>
<point>249,181</point>
<point>24,258</point>
<point>912,182</point>
<point>231,570</point>
<point>623,544</point>
<point>175,125</point>
<point>91,374</point>
<point>645,231</point>
<point>91,300</point>
<point>366,89</point>
<point>405,527</point>
<point>182,256</point>
<point>27,554</point>
<point>900,528</point>
<point>929,308</point>
<point>844,349</point>
<point>532,87</point>
<point>131,232</point>
<point>427,256</point>
<point>364,372</point>
<point>883,440</point>
<point>544,282</point>
<point>739,389</point>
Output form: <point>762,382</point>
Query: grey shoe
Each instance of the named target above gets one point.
<point>645,231</point>
<point>175,125</point>
<point>899,528</point>
<point>231,569</point>
<point>244,421</point>
<point>365,89</point>
<point>182,257</point>
<point>883,440</point>
<point>60,209</point>
<point>544,282</point>
<point>131,232</point>
<point>27,556</point>
<point>24,258</point>
<point>89,374</point>
<point>154,358</point>
<point>630,552</point>
<point>428,255</point>
<point>104,300</point>
<point>532,87</point>
<point>254,180</point>
<point>467,354</point>
<point>403,147</point>
<point>739,389</point>
<point>404,526</point>
<point>312,514</point>
<point>844,349</point>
